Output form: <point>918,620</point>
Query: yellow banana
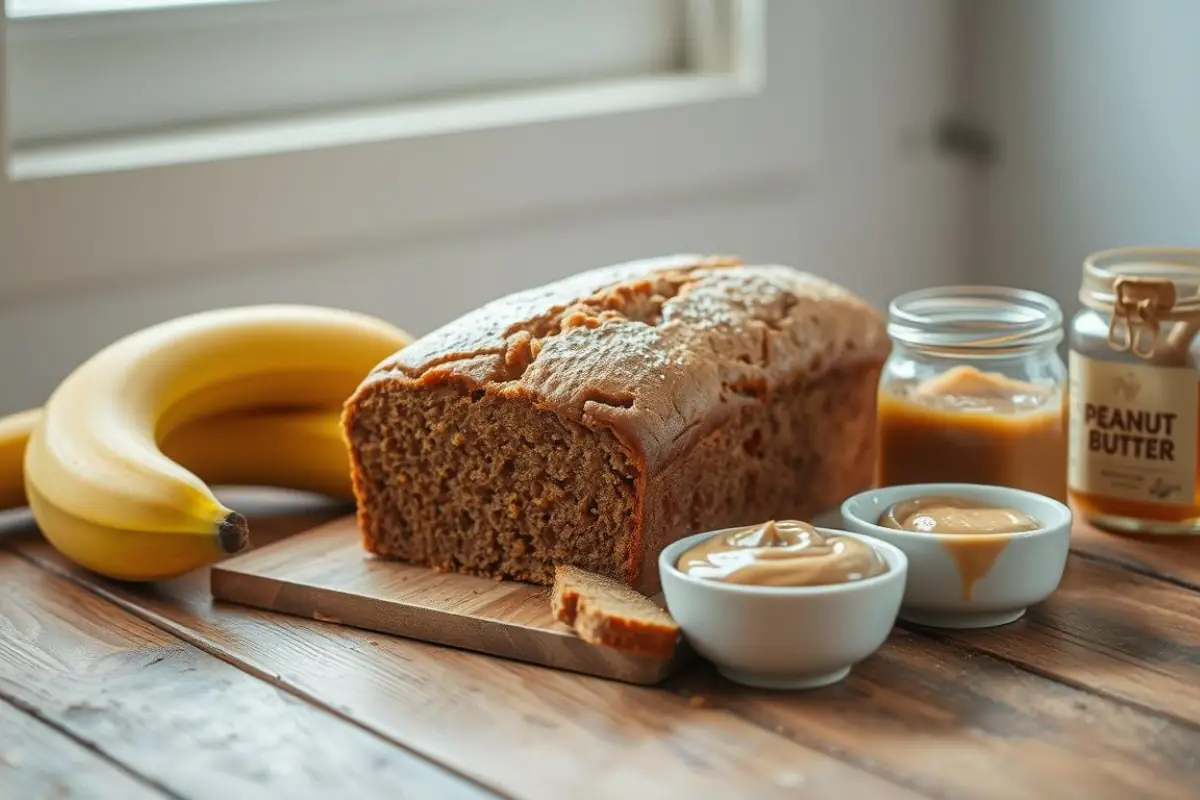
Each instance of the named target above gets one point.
<point>96,478</point>
<point>14,433</point>
<point>301,450</point>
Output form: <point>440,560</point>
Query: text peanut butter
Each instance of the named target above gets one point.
<point>785,553</point>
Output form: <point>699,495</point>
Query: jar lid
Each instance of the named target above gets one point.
<point>1141,287</point>
<point>978,321</point>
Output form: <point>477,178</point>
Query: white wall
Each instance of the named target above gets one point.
<point>1096,105</point>
<point>881,213</point>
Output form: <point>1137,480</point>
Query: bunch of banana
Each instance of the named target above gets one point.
<point>117,467</point>
<point>14,434</point>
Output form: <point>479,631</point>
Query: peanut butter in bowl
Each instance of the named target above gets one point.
<point>955,515</point>
<point>787,553</point>
<point>972,532</point>
<point>783,604</point>
<point>980,555</point>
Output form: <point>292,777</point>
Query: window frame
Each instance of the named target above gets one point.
<point>88,77</point>
<point>258,193</point>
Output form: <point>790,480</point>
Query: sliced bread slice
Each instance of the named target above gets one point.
<point>606,612</point>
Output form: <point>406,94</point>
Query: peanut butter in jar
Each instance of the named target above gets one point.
<point>974,391</point>
<point>1135,391</point>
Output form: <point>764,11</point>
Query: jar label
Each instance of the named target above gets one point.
<point>1133,430</point>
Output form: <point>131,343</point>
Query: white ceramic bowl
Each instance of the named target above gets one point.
<point>1026,571</point>
<point>784,637</point>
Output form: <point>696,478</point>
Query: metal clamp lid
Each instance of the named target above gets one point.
<point>1142,287</point>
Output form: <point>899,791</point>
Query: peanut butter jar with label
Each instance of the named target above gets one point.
<point>1134,399</point>
<point>974,391</point>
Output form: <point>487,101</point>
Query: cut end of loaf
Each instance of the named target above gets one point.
<point>477,483</point>
<point>608,613</point>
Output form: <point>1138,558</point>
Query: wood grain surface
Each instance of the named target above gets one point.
<point>1172,558</point>
<point>950,722</point>
<point>522,730</point>
<point>324,574</point>
<point>175,716</point>
<point>1090,695</point>
<point>1115,632</point>
<point>36,761</point>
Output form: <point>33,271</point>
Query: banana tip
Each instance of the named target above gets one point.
<point>233,532</point>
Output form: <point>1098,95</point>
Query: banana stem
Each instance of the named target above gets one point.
<point>233,533</point>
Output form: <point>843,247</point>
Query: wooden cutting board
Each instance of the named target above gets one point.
<point>325,574</point>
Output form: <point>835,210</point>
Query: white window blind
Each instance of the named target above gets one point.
<point>89,69</point>
<point>150,138</point>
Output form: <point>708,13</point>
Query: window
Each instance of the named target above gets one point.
<point>254,76</point>
<point>220,134</point>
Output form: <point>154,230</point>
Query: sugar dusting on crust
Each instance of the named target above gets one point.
<point>657,350</point>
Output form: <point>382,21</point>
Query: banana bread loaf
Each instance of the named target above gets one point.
<point>594,420</point>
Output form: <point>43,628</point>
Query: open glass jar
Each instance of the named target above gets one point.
<point>1134,405</point>
<point>974,390</point>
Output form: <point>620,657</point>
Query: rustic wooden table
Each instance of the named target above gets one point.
<point>108,690</point>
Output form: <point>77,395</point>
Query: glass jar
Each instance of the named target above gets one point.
<point>974,390</point>
<point>1133,395</point>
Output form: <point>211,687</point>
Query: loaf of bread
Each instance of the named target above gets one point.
<point>595,420</point>
<point>604,611</point>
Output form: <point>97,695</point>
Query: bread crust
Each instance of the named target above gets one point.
<point>659,350</point>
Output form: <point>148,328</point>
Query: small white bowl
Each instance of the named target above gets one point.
<point>784,637</point>
<point>1026,571</point>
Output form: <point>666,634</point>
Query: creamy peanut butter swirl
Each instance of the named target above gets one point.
<point>785,553</point>
<point>955,515</point>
